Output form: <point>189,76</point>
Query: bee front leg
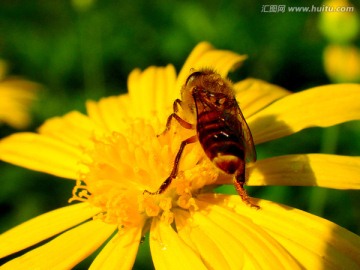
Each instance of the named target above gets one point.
<point>181,121</point>
<point>239,185</point>
<point>175,169</point>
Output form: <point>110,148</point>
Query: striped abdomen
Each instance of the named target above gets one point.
<point>221,142</point>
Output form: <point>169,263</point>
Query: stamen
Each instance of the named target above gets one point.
<point>120,166</point>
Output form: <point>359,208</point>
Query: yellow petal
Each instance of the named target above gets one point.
<point>320,106</point>
<point>16,96</point>
<point>73,128</point>
<point>120,252</point>
<point>205,56</point>
<point>169,251</point>
<point>109,113</point>
<point>66,250</point>
<point>43,227</point>
<point>152,90</point>
<point>331,171</point>
<point>94,113</point>
<point>239,236</point>
<point>219,252</point>
<point>253,95</point>
<point>41,153</point>
<point>315,242</point>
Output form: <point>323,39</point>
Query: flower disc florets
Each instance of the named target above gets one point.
<point>122,166</point>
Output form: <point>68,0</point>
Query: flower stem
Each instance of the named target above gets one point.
<point>91,49</point>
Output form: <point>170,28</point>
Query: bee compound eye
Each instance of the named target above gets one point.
<point>193,76</point>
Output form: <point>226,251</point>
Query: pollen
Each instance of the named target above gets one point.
<point>122,165</point>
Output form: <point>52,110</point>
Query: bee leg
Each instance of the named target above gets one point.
<point>175,169</point>
<point>239,185</point>
<point>171,116</point>
<point>181,121</point>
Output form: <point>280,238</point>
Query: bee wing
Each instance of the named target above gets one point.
<point>232,116</point>
<point>250,152</point>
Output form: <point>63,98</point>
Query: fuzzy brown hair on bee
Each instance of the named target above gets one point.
<point>209,101</point>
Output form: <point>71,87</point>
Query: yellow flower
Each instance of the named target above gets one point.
<point>114,154</point>
<point>339,23</point>
<point>342,63</point>
<point>16,95</point>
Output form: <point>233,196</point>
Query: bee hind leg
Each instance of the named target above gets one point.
<point>239,186</point>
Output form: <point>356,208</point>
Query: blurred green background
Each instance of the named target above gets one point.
<point>82,50</point>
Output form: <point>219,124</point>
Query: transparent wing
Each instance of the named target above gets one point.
<point>250,152</point>
<point>229,113</point>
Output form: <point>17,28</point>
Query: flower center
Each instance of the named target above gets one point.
<point>122,165</point>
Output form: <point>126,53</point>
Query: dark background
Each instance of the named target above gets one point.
<point>80,53</point>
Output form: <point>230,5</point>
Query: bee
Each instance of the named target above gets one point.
<point>220,127</point>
